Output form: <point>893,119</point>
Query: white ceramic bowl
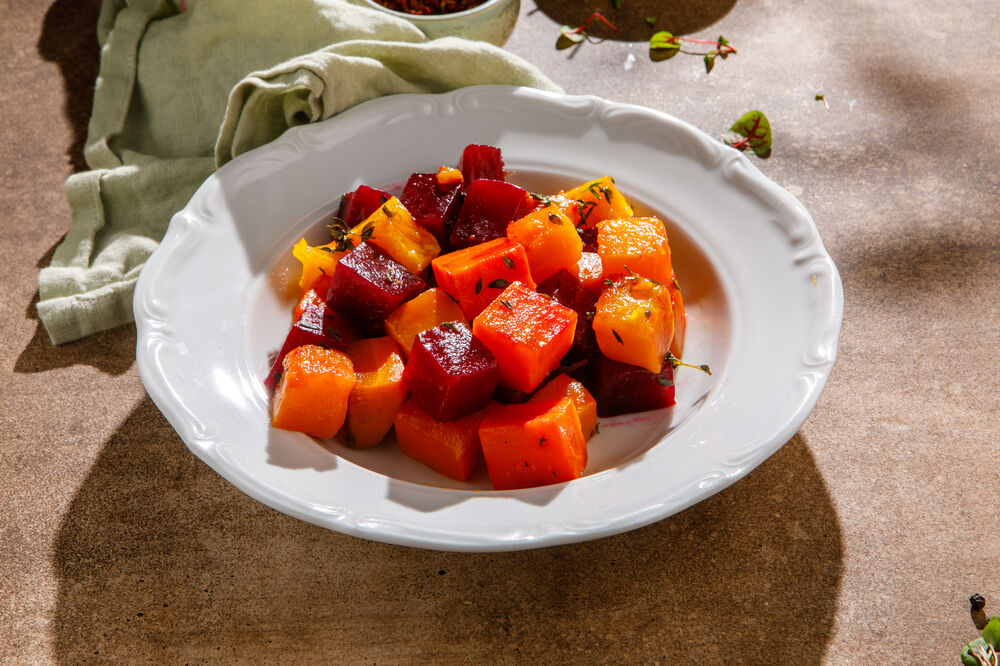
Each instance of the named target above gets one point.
<point>492,21</point>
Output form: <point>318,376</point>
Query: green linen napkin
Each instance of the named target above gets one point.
<point>186,86</point>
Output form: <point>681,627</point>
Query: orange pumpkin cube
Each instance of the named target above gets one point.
<point>392,228</point>
<point>379,390</point>
<point>313,392</point>
<point>450,448</point>
<point>596,201</point>
<point>634,322</point>
<point>415,316</point>
<point>564,386</point>
<point>533,444</point>
<point>528,333</point>
<point>636,245</point>
<point>550,240</point>
<point>476,275</point>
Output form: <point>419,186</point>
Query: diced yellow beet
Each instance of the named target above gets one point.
<point>426,311</point>
<point>379,391</point>
<point>316,261</point>
<point>634,322</point>
<point>596,201</point>
<point>635,245</point>
<point>393,230</point>
<point>550,240</point>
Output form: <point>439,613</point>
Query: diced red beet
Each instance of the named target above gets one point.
<point>432,205</point>
<point>450,372</point>
<point>567,290</point>
<point>480,161</point>
<point>489,206</point>
<point>368,285</point>
<point>356,206</point>
<point>315,324</point>
<point>620,388</point>
<point>589,237</point>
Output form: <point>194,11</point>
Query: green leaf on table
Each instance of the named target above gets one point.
<point>752,131</point>
<point>569,36</point>
<point>991,632</point>
<point>650,21</point>
<point>709,62</point>
<point>663,45</point>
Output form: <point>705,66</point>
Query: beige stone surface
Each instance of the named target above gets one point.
<point>860,541</point>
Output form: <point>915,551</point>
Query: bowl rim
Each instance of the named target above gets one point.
<point>434,18</point>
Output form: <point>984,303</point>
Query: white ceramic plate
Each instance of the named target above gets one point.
<point>764,304</point>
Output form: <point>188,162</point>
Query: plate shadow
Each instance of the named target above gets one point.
<point>159,558</point>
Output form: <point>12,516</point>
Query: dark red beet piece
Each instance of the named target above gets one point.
<point>620,388</point>
<point>432,205</point>
<point>450,372</point>
<point>567,290</point>
<point>368,285</point>
<point>316,325</point>
<point>489,206</point>
<point>356,206</point>
<point>480,161</point>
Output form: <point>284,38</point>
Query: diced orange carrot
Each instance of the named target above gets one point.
<point>634,245</point>
<point>590,270</point>
<point>550,241</point>
<point>596,201</point>
<point>379,391</point>
<point>528,333</point>
<point>316,261</point>
<point>450,448</point>
<point>313,392</point>
<point>564,386</point>
<point>533,444</point>
<point>634,322</point>
<point>392,228</point>
<point>680,318</point>
<point>427,310</point>
<point>475,275</point>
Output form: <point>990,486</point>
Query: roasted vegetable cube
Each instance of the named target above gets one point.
<point>317,261</point>
<point>550,241</point>
<point>427,310</point>
<point>314,324</point>
<point>634,322</point>
<point>563,386</point>
<point>432,204</point>
<point>450,372</point>
<point>590,270</point>
<point>636,245</point>
<point>534,444</point>
<point>450,448</point>
<point>479,161</point>
<point>313,392</point>
<point>392,228</point>
<point>379,391</point>
<point>368,286</point>
<point>358,205</point>
<point>475,275</point>
<point>622,388</point>
<point>595,201</point>
<point>528,334</point>
<point>489,206</point>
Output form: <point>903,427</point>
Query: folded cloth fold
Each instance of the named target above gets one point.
<point>185,87</point>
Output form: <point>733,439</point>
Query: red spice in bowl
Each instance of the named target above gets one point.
<point>429,7</point>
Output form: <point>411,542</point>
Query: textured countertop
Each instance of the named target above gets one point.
<point>859,541</point>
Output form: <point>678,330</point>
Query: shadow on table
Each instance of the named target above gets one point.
<point>69,39</point>
<point>159,558</point>
<point>680,17</point>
